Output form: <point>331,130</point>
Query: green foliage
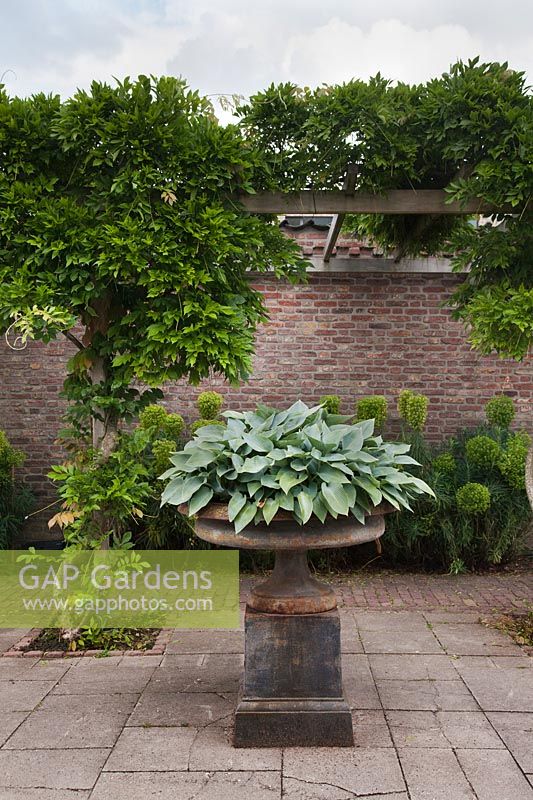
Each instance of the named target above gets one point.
<point>372,407</point>
<point>482,451</point>
<point>200,423</point>
<point>469,132</point>
<point>500,411</point>
<point>448,534</point>
<point>209,404</point>
<point>413,409</point>
<point>16,499</point>
<point>445,464</point>
<point>162,449</point>
<point>159,422</point>
<point>331,402</point>
<point>473,498</point>
<point>512,463</point>
<point>114,213</point>
<point>302,460</point>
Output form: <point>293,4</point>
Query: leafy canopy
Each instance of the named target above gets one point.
<point>114,214</point>
<point>469,132</point>
<point>303,460</point>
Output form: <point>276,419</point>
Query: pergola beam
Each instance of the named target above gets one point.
<point>337,201</point>
<point>338,219</point>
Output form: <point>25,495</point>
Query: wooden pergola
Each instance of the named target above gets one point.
<point>348,200</point>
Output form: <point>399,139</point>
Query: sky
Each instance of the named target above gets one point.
<point>240,46</point>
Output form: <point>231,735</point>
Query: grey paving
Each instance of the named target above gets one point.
<point>442,710</point>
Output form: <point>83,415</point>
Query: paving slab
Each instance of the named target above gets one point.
<point>401,641</point>
<point>454,617</point>
<point>358,770</point>
<point>10,636</point>
<point>212,750</point>
<point>370,729</point>
<point>206,642</point>
<point>387,666</point>
<point>23,695</point>
<point>44,794</point>
<point>358,683</point>
<point>152,750</point>
<point>188,785</point>
<point>294,789</point>
<point>442,729</point>
<point>425,696</point>
<point>198,673</point>
<point>501,689</point>
<point>9,722</point>
<point>350,638</point>
<point>472,640</point>
<point>86,704</point>
<point>387,621</point>
<point>51,769</point>
<point>494,775</point>
<point>118,680</point>
<point>67,729</point>
<point>434,774</point>
<point>516,730</point>
<point>182,709</point>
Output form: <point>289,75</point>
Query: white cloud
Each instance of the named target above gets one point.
<point>241,46</point>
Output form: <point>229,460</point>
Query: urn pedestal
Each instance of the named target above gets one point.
<point>291,693</point>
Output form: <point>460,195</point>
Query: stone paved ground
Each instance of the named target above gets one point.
<point>442,710</point>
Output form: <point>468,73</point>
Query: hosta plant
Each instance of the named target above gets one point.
<point>302,460</point>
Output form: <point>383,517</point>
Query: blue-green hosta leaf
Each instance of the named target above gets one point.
<point>253,487</point>
<point>235,505</point>
<point>200,458</point>
<point>180,491</point>
<point>298,465</point>
<point>258,442</point>
<point>255,464</point>
<point>245,516</point>
<point>214,433</point>
<point>366,426</point>
<point>286,501</point>
<point>370,488</point>
<point>319,509</point>
<point>422,485</point>
<point>288,479</point>
<point>351,493</point>
<point>305,503</point>
<point>358,513</point>
<point>200,499</point>
<point>335,498</point>
<point>270,509</point>
<point>169,473</point>
<point>269,481</point>
<point>179,459</point>
<point>406,460</point>
<point>360,457</point>
<point>330,473</point>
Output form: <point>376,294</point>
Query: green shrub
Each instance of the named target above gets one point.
<point>159,422</point>
<point>331,402</point>
<point>512,463</point>
<point>209,404</point>
<point>162,449</point>
<point>413,409</point>
<point>200,423</point>
<point>500,411</point>
<point>482,451</point>
<point>443,534</point>
<point>16,499</point>
<point>444,464</point>
<point>152,417</point>
<point>372,407</point>
<point>473,498</point>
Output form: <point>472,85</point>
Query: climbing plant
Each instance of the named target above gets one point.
<point>116,231</point>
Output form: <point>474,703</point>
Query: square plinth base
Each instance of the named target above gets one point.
<point>293,723</point>
<point>292,689</point>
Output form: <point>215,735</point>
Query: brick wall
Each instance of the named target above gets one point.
<point>345,333</point>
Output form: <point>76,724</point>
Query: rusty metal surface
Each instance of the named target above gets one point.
<point>288,535</point>
<point>291,589</point>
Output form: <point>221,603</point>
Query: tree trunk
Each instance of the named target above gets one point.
<point>529,476</point>
<point>104,423</point>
